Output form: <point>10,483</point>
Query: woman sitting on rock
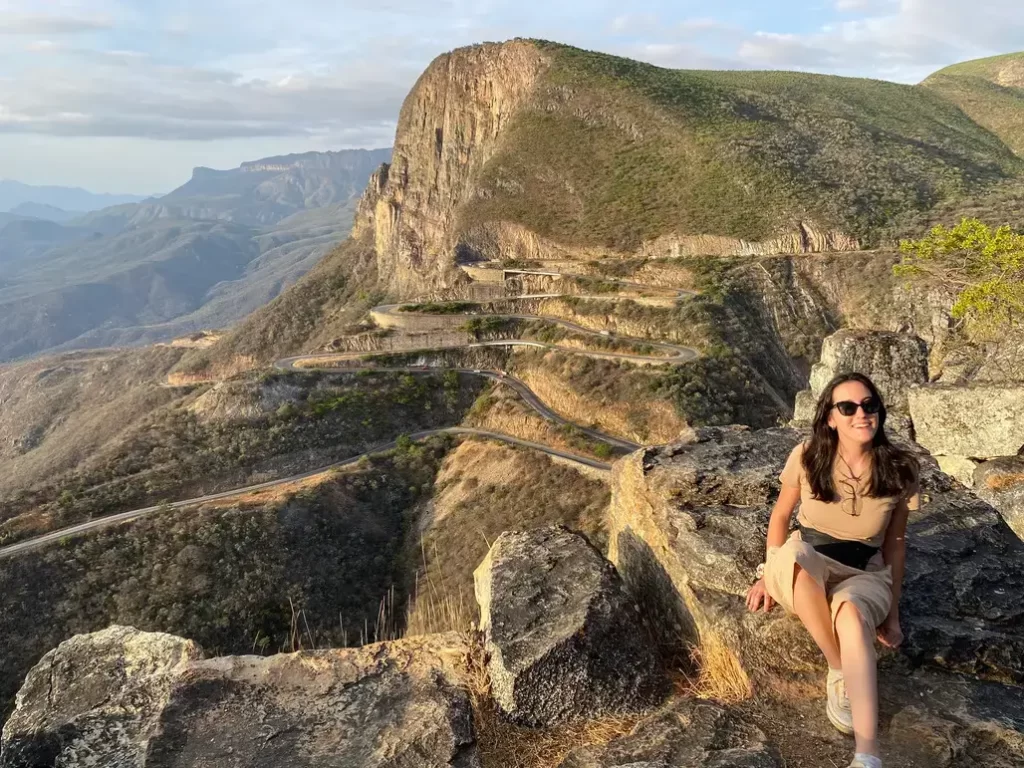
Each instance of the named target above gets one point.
<point>841,571</point>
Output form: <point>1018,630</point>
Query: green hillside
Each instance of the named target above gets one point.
<point>610,152</point>
<point>991,91</point>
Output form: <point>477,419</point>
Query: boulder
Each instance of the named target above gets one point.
<point>94,700</point>
<point>1000,482</point>
<point>975,420</point>
<point>393,705</point>
<point>687,527</point>
<point>893,361</point>
<point>686,733</point>
<point>927,718</point>
<point>940,720</point>
<point>565,641</point>
<point>960,468</point>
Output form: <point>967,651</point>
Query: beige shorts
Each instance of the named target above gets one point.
<point>870,590</point>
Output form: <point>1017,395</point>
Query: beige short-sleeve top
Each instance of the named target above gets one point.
<point>857,517</point>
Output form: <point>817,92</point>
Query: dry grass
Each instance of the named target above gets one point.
<point>1003,482</point>
<point>649,422</point>
<point>502,744</point>
<point>199,340</point>
<point>721,676</point>
<point>431,613</point>
<point>238,364</point>
<point>506,412</point>
<point>276,494</point>
<point>482,490</point>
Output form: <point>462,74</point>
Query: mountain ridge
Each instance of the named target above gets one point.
<point>532,150</point>
<point>14,193</point>
<point>990,91</point>
<point>205,255</point>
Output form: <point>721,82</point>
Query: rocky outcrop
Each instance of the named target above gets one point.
<point>564,640</point>
<point>447,130</point>
<point>514,241</point>
<point>246,398</point>
<point>95,700</point>
<point>977,420</point>
<point>685,734</point>
<point>128,699</point>
<point>893,361</point>
<point>687,524</point>
<point>937,720</point>
<point>1000,482</point>
<point>807,238</point>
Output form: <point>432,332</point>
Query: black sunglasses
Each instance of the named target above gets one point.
<point>870,405</point>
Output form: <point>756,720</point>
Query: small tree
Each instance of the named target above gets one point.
<point>984,265</point>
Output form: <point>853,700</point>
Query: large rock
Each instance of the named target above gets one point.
<point>127,699</point>
<point>893,361</point>
<point>1000,482</point>
<point>687,527</point>
<point>94,700</point>
<point>976,420</point>
<point>685,734</point>
<point>564,639</point>
<point>927,718</point>
<point>939,720</point>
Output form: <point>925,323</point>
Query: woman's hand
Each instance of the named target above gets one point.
<point>889,633</point>
<point>756,594</point>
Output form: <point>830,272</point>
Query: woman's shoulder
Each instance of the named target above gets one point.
<point>793,472</point>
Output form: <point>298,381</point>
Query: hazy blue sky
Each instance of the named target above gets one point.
<point>128,95</point>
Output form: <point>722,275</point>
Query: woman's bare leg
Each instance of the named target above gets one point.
<point>811,606</point>
<point>860,672</point>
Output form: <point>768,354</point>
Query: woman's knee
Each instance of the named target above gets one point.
<point>849,620</point>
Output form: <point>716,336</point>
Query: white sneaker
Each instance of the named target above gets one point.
<point>838,707</point>
<point>865,761</point>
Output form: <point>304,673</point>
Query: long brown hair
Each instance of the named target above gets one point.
<point>893,470</point>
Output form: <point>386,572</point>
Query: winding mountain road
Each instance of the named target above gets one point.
<point>327,362</point>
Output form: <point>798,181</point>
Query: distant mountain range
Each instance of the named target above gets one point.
<point>44,211</point>
<point>204,255</point>
<point>14,194</point>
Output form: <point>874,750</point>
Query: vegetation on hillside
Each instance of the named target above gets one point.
<point>308,570</point>
<point>181,452</point>
<point>440,307</point>
<point>613,152</point>
<point>484,489</point>
<point>985,267</point>
<point>59,411</point>
<point>990,91</point>
<point>333,295</point>
<point>998,205</point>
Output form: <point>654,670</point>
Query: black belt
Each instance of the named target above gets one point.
<point>854,554</point>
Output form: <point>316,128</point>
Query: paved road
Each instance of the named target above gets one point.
<point>528,395</point>
<point>676,354</point>
<point>135,514</point>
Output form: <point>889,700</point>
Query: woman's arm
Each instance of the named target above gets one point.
<point>782,513</point>
<point>894,551</point>
<point>778,531</point>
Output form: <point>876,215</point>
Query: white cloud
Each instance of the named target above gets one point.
<point>196,74</point>
<point>912,40</point>
<point>633,23</point>
<point>51,24</point>
<point>865,6</point>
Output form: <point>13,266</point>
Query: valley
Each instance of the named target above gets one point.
<point>203,256</point>
<point>545,385</point>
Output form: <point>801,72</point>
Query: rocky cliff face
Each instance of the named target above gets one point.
<point>127,699</point>
<point>893,361</point>
<point>448,127</point>
<point>686,529</point>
